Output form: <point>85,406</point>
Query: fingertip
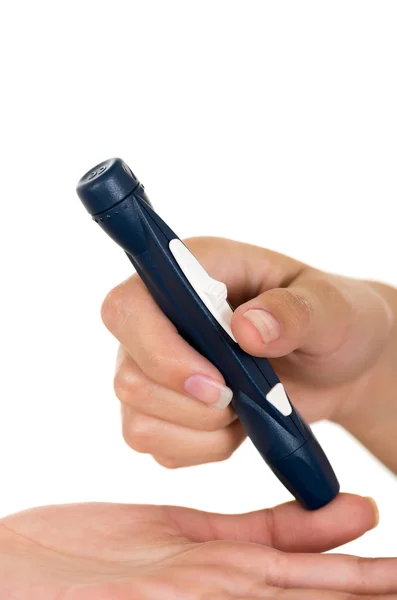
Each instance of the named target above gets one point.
<point>260,333</point>
<point>376,513</point>
<point>246,333</point>
<point>358,514</point>
<point>346,518</point>
<point>207,390</point>
<point>275,323</point>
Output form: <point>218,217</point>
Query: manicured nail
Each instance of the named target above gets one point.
<point>266,324</point>
<point>376,512</point>
<point>209,391</point>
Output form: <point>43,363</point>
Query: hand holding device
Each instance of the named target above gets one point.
<point>197,305</point>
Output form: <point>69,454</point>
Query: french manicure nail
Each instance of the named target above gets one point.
<point>376,512</point>
<point>266,324</point>
<point>207,390</point>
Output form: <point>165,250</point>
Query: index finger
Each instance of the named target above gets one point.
<point>135,319</point>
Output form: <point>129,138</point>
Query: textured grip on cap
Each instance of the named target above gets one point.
<point>107,184</point>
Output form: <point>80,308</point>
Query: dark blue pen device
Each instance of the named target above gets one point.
<point>197,305</point>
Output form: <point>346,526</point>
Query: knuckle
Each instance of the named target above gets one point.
<point>163,362</point>
<point>215,420</point>
<point>295,308</point>
<point>271,524</point>
<point>326,285</point>
<point>112,307</point>
<point>277,574</point>
<point>225,444</point>
<point>128,385</point>
<point>365,567</point>
<point>328,288</point>
<point>169,462</point>
<point>301,307</point>
<point>117,305</point>
<point>225,453</point>
<point>159,361</point>
<point>137,433</point>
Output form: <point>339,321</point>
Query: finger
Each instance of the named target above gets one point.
<point>287,527</point>
<point>269,567</point>
<point>138,392</point>
<point>131,314</point>
<point>247,270</point>
<point>134,318</point>
<point>174,446</point>
<point>308,594</point>
<point>190,582</point>
<point>335,572</point>
<point>316,313</point>
<point>312,314</point>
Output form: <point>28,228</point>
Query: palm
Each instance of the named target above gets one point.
<point>120,552</point>
<point>84,549</point>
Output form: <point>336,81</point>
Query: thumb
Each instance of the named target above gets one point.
<point>287,527</point>
<point>313,314</point>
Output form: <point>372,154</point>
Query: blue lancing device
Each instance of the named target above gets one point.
<point>197,305</point>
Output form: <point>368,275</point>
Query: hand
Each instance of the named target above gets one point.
<point>121,552</point>
<point>332,340</point>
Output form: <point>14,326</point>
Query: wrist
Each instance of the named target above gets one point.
<point>373,417</point>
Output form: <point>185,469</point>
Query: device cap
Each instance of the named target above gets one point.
<point>105,185</point>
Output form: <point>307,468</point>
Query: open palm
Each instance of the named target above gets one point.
<point>122,552</point>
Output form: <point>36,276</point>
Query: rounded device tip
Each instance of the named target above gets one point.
<point>105,185</point>
<point>308,475</point>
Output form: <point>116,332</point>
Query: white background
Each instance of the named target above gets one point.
<point>268,122</point>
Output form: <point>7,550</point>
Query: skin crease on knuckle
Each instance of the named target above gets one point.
<point>317,294</point>
<point>128,385</point>
<point>301,310</point>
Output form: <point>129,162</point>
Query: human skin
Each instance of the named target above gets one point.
<point>121,552</point>
<point>332,341</point>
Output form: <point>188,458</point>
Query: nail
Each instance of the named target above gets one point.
<point>376,512</point>
<point>266,324</point>
<point>207,390</point>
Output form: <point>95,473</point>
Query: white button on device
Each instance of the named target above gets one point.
<point>217,292</point>
<point>212,292</point>
<point>279,399</point>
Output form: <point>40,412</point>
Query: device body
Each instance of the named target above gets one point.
<point>197,305</point>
